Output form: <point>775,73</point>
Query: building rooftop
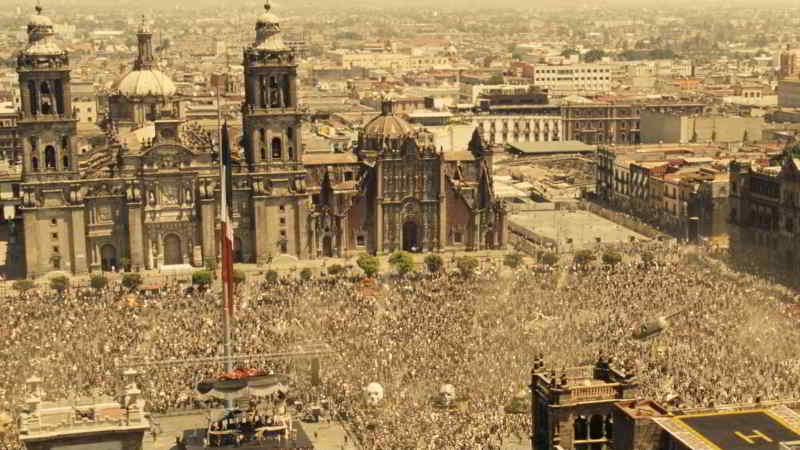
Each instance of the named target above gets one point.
<point>532,148</point>
<point>748,429</point>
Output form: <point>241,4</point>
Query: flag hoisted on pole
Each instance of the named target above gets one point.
<point>226,231</point>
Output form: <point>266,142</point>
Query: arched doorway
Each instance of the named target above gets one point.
<point>327,246</point>
<point>489,240</point>
<point>108,258</point>
<point>172,250</point>
<point>410,243</point>
<point>238,255</point>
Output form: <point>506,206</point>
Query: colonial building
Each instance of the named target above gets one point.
<point>149,198</point>
<point>596,408</point>
<point>104,422</point>
<point>765,211</point>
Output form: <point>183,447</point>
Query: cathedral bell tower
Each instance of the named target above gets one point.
<point>46,125</point>
<point>279,202</point>
<point>271,114</point>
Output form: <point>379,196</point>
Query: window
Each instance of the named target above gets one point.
<point>283,221</point>
<point>282,208</point>
<point>66,162</point>
<point>54,236</point>
<point>34,143</point>
<point>457,238</point>
<point>348,176</point>
<point>35,163</point>
<point>360,240</point>
<point>50,157</point>
<point>53,222</point>
<point>55,249</point>
<point>283,234</point>
<point>277,148</point>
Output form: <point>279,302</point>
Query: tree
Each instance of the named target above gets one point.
<point>402,263</point>
<point>369,264</point>
<point>202,278</point>
<point>335,269</point>
<point>467,265</point>
<point>583,257</point>
<point>594,55</point>
<point>611,258</point>
<point>22,285</point>
<point>211,266</point>
<point>271,277</point>
<point>131,280</point>
<point>239,277</point>
<point>513,260</point>
<point>59,284</point>
<point>98,281</point>
<point>434,263</point>
<point>648,258</point>
<point>569,52</point>
<point>548,259</point>
<point>305,274</point>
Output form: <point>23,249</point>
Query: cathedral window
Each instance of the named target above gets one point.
<point>50,157</point>
<point>277,148</point>
<point>34,98</point>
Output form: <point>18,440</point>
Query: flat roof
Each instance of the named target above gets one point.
<point>753,429</point>
<point>553,147</point>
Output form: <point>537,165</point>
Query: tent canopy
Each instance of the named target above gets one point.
<point>258,386</point>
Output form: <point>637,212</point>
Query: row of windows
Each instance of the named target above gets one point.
<point>574,79</point>
<point>562,71</point>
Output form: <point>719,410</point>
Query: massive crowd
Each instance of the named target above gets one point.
<point>736,341</point>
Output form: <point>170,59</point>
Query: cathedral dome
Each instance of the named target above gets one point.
<point>38,20</point>
<point>146,83</point>
<point>388,125</point>
<point>41,36</point>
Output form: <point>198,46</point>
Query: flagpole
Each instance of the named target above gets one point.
<point>222,235</point>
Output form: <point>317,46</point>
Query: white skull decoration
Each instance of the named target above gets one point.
<point>374,394</point>
<point>447,394</point>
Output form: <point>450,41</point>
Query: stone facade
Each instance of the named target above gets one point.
<point>765,211</point>
<point>149,198</point>
<point>90,424</point>
<point>574,409</point>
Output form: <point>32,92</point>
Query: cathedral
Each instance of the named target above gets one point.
<point>149,197</point>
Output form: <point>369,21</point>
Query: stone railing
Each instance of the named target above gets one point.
<point>593,393</point>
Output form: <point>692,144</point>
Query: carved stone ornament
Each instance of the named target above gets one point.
<point>169,194</point>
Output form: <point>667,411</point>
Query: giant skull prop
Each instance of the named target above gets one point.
<point>374,394</point>
<point>447,394</point>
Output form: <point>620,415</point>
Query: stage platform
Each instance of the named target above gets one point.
<point>193,439</point>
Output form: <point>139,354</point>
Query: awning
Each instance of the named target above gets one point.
<point>261,386</point>
<point>9,212</point>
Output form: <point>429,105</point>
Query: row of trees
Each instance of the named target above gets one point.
<point>401,262</point>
